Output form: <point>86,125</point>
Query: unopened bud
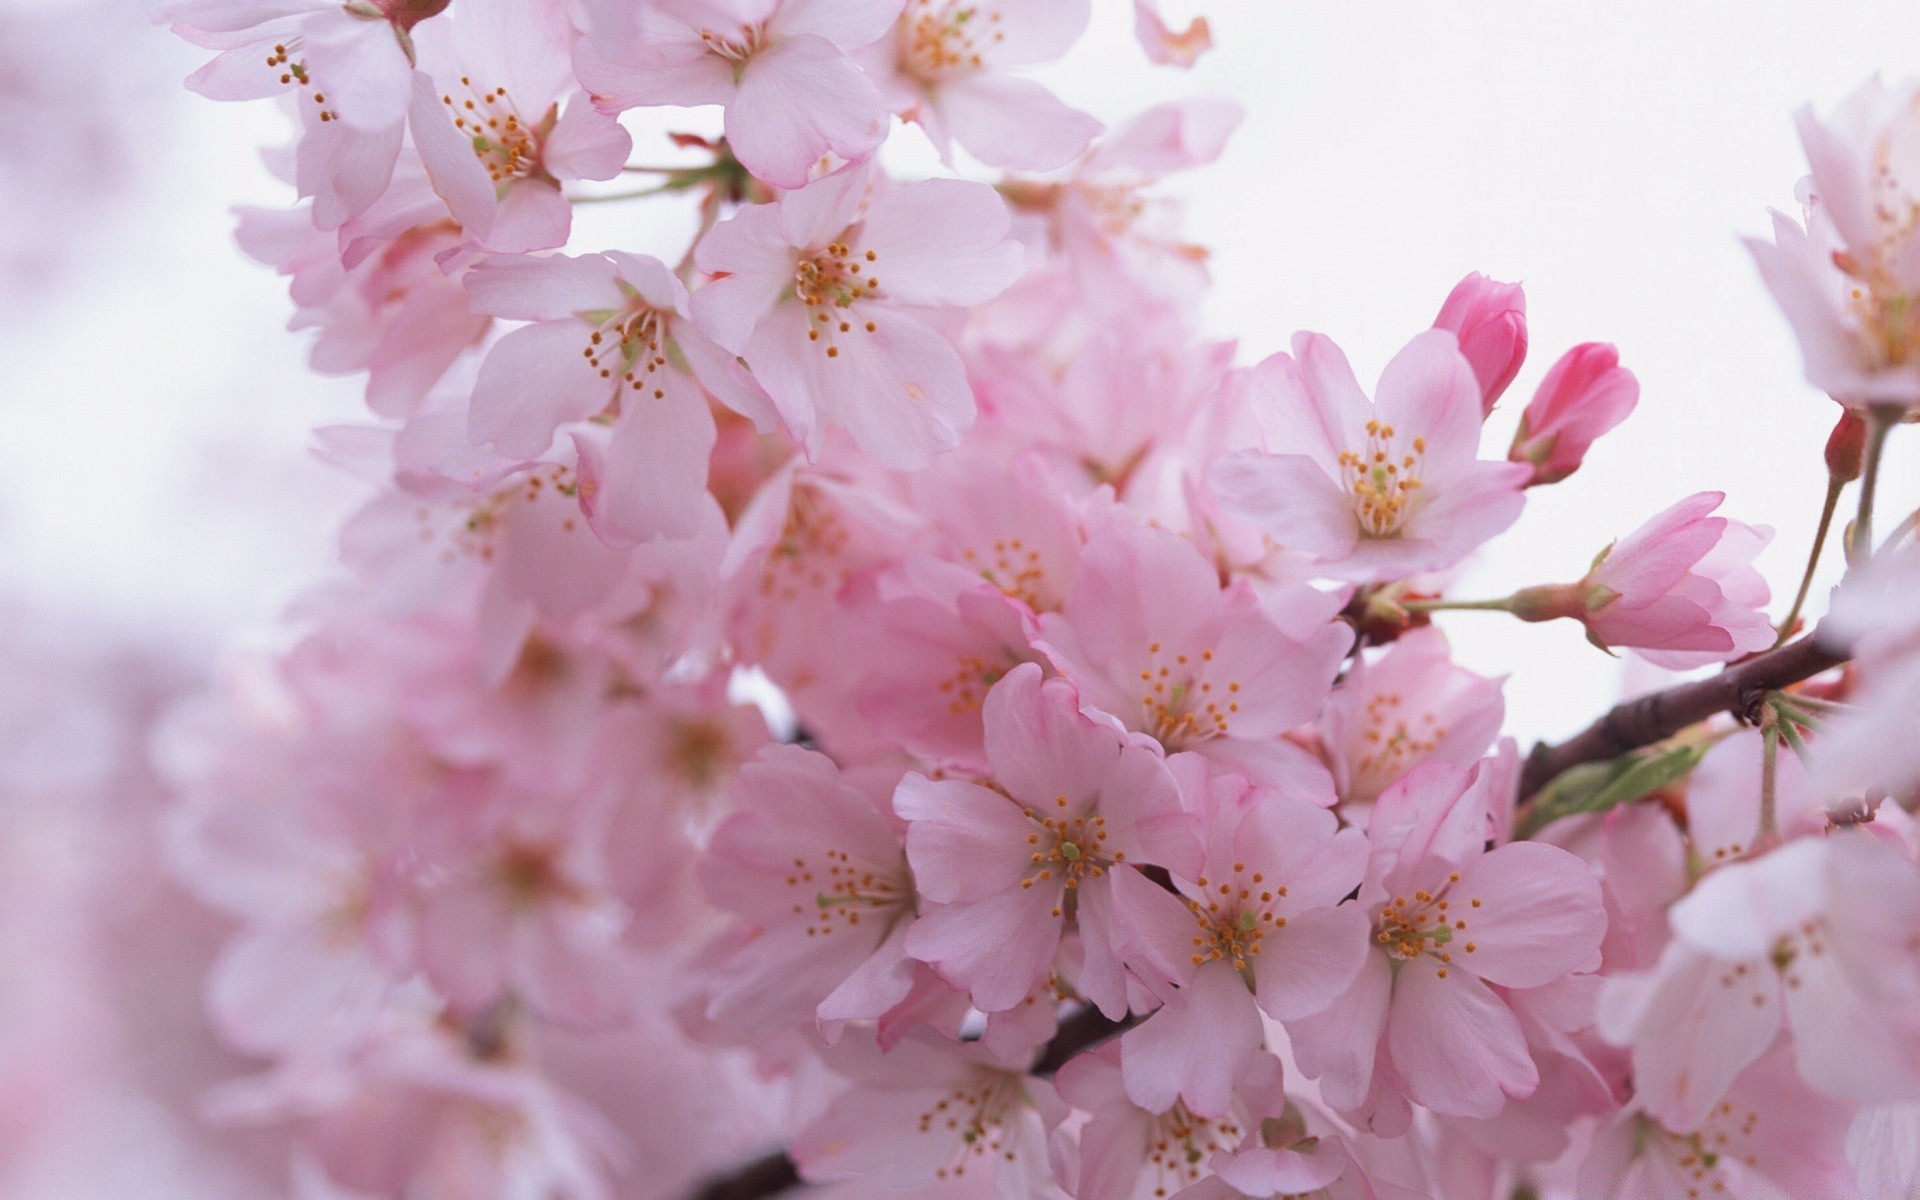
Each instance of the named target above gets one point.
<point>1490,319</point>
<point>1847,447</point>
<point>405,14</point>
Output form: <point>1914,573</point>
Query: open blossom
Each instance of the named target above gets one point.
<point>501,124</point>
<point>1259,927</point>
<point>1153,640</point>
<point>780,68</point>
<point>813,866</point>
<point>1401,708</point>
<point>1374,489</point>
<point>1586,393</point>
<point>1451,920</point>
<point>1679,590</point>
<point>1490,319</point>
<point>1077,802</point>
<point>609,335</point>
<point>945,70</point>
<point>1823,931</point>
<point>1848,279</point>
<point>822,292</point>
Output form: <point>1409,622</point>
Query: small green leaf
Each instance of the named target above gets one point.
<point>1597,787</point>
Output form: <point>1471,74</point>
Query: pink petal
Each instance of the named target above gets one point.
<point>1014,124</point>
<point>966,842</point>
<point>1291,498</point>
<point>941,241</point>
<point>1195,1048</point>
<point>1457,1045</point>
<point>533,380</point>
<point>1310,964</point>
<point>542,289</point>
<point>1337,1046</point>
<point>799,100</point>
<point>1542,916</point>
<point>999,948</point>
<point>584,144</point>
<point>656,484</point>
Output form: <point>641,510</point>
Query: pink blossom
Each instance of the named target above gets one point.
<point>1678,590</point>
<point>1076,803</point>
<point>1490,319</point>
<point>1586,393</point>
<point>779,66</point>
<point>928,1111</point>
<point>1846,279</point>
<point>1162,44</point>
<point>1375,490</point>
<point>820,294</point>
<point>1259,927</point>
<point>1809,934</point>
<point>609,335</point>
<point>1398,709</point>
<point>1451,922</point>
<point>946,69</point>
<point>501,125</point>
<point>1772,1139</point>
<point>1126,1152</point>
<point>520,904</point>
<point>813,865</point>
<point>1153,640</point>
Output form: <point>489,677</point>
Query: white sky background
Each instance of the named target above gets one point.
<point>153,411</point>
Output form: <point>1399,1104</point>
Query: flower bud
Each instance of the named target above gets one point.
<point>405,14</point>
<point>1847,447</point>
<point>1490,319</point>
<point>1584,395</point>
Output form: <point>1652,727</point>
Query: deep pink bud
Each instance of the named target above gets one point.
<point>1490,319</point>
<point>407,13</point>
<point>1585,394</point>
<point>1847,447</point>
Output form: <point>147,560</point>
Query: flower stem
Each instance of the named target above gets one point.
<point>1504,604</point>
<point>1834,486</point>
<point>1769,778</point>
<point>1880,422</point>
<point>642,194</point>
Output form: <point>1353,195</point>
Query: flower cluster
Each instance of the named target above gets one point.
<point>874,680</point>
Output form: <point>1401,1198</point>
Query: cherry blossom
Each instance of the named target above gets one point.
<point>1490,320</point>
<point>945,69</point>
<point>779,66</point>
<point>819,295</point>
<point>1077,802</point>
<point>1379,489</point>
<point>1586,393</point>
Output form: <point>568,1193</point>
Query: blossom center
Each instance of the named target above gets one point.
<point>1180,703</point>
<point>1071,847</point>
<point>942,38</point>
<point>975,1112</point>
<point>1234,916</point>
<point>631,342</point>
<point>477,535</point>
<point>502,141</point>
<point>1390,738</point>
<point>806,555</point>
<point>1180,1143</point>
<point>829,284</point>
<point>1013,568</point>
<point>842,890</point>
<point>966,688</point>
<point>1383,480</point>
<point>1427,923</point>
<point>737,47</point>
<point>293,71</point>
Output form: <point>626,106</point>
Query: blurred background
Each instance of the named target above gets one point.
<point>158,503</point>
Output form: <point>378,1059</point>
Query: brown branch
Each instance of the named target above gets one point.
<point>1738,689</point>
<point>771,1174</point>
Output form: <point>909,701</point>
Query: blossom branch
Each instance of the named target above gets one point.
<point>1738,689</point>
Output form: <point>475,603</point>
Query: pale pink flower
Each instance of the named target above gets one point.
<point>609,336</point>
<point>1679,590</point>
<point>928,1111</point>
<point>1451,922</point>
<point>1490,319</point>
<point>1723,801</point>
<point>1773,1138</point>
<point>822,295</point>
<point>1883,1147</point>
<point>780,68</point>
<point>1259,927</point>
<point>1162,43</point>
<point>501,124</point>
<point>1374,489</point>
<point>1847,280</point>
<point>946,69</point>
<point>1126,1152</point>
<point>385,306</point>
<point>1586,393</point>
<point>812,864</point>
<point>518,902</point>
<point>1153,640</point>
<point>1077,802</point>
<point>1398,709</point>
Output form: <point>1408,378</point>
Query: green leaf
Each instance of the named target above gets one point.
<point>1597,787</point>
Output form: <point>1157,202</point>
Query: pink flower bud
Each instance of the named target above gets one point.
<point>1585,394</point>
<point>1490,319</point>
